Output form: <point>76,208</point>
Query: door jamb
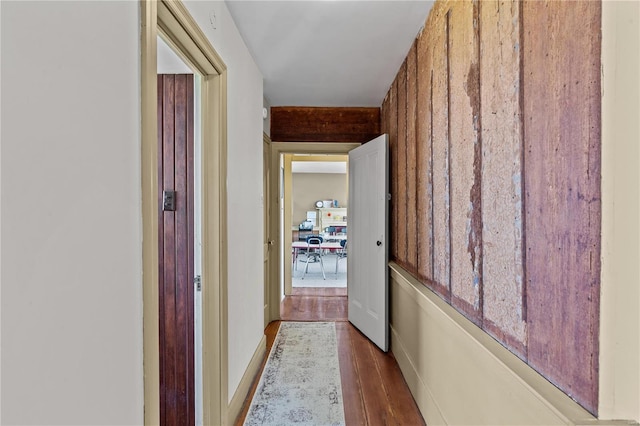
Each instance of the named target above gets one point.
<point>275,260</point>
<point>173,21</point>
<point>269,247</point>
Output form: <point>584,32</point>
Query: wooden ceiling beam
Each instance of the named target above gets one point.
<point>324,124</point>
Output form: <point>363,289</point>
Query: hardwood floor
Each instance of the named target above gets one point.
<point>319,291</point>
<point>315,304</point>
<point>373,389</point>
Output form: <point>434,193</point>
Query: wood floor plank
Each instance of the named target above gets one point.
<point>354,412</point>
<point>311,308</point>
<point>373,394</point>
<point>373,389</point>
<point>401,402</point>
<point>319,291</point>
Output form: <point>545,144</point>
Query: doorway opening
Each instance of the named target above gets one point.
<point>172,21</point>
<point>180,237</point>
<point>368,293</point>
<point>315,199</point>
<point>282,265</point>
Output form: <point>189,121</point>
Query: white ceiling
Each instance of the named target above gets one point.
<point>328,53</point>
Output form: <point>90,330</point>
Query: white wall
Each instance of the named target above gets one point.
<point>620,285</point>
<point>307,188</point>
<point>0,224</point>
<point>0,220</point>
<point>169,62</point>
<point>244,185</point>
<point>267,121</point>
<point>71,223</point>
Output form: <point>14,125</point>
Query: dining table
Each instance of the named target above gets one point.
<point>325,245</point>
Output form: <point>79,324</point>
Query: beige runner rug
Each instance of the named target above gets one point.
<point>300,383</point>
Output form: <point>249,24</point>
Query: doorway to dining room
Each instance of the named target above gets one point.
<point>281,225</point>
<point>315,192</point>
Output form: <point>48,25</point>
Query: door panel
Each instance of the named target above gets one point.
<point>176,298</point>
<point>367,274</point>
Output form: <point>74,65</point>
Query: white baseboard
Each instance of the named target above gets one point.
<point>235,406</point>
<point>458,374</point>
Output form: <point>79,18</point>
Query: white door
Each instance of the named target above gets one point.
<point>367,274</point>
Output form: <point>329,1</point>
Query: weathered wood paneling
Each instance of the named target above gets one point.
<point>466,223</point>
<point>507,201</point>
<point>393,168</point>
<point>500,51</point>
<point>424,190</point>
<point>319,124</point>
<point>412,207</point>
<point>562,184</point>
<point>440,146</point>
<point>401,171</point>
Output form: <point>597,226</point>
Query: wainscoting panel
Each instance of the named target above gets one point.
<point>458,374</point>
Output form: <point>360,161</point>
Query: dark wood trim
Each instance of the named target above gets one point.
<point>507,340</point>
<point>523,159</point>
<point>438,288</point>
<point>467,309</point>
<point>448,156</point>
<point>324,124</point>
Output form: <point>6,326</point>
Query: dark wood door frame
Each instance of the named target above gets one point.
<point>176,249</point>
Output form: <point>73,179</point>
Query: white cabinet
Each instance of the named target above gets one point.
<point>336,216</point>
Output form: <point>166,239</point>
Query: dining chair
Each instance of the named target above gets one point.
<point>341,254</point>
<point>314,253</point>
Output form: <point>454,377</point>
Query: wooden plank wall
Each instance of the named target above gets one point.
<point>393,164</point>
<point>324,124</point>
<point>562,192</point>
<point>440,147</point>
<point>464,104</point>
<point>411,148</point>
<point>494,123</point>
<point>401,170</point>
<point>501,112</point>
<point>424,172</point>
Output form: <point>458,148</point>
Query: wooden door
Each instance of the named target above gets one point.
<point>367,274</point>
<point>175,292</point>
